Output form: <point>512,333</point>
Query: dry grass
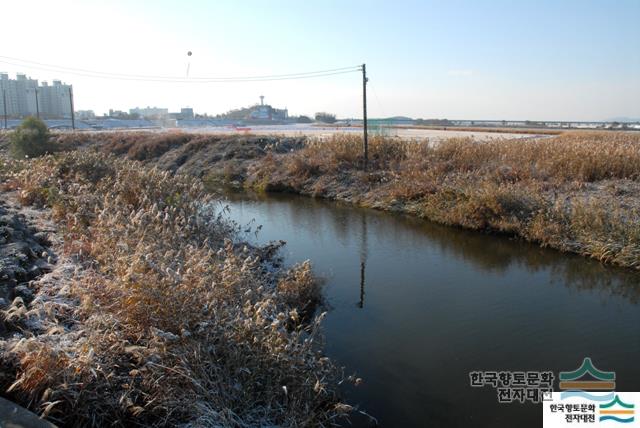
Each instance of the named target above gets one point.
<point>500,130</point>
<point>165,319</point>
<point>577,192</point>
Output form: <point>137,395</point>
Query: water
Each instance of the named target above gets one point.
<point>414,307</point>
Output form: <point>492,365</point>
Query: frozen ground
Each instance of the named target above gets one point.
<point>292,130</point>
<point>325,131</point>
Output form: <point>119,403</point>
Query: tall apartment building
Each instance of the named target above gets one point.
<point>54,100</point>
<point>21,93</point>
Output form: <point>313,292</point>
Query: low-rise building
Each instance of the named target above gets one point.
<point>150,112</point>
<point>85,114</point>
<point>186,113</point>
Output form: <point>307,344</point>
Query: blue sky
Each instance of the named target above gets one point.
<point>537,60</point>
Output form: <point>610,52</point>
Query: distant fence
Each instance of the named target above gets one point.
<point>382,128</point>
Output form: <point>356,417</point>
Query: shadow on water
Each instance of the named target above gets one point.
<point>416,306</point>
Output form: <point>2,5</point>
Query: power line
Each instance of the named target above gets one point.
<point>172,79</point>
<point>179,77</point>
<point>184,80</point>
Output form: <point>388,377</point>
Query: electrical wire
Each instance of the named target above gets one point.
<point>352,68</point>
<point>172,79</point>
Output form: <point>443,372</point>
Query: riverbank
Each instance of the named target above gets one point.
<point>574,192</point>
<point>151,310</point>
<point>127,320</point>
<point>415,306</point>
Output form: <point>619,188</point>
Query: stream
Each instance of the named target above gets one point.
<point>414,307</point>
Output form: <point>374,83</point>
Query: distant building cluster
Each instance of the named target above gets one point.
<point>85,114</point>
<point>24,97</point>
<point>149,112</point>
<point>161,113</point>
<point>266,112</point>
<point>258,113</point>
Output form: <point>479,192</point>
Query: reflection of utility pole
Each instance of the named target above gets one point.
<point>73,119</point>
<point>363,258</point>
<point>37,105</point>
<point>4,106</point>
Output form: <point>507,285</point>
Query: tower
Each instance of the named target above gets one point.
<point>261,100</point>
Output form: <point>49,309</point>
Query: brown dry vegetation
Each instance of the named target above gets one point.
<point>215,158</point>
<point>577,192</point>
<point>501,130</point>
<point>163,318</point>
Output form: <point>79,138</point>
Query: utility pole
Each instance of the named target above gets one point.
<point>4,107</point>
<point>37,105</point>
<point>364,116</point>
<point>73,119</point>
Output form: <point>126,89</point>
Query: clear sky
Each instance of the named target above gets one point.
<point>537,60</point>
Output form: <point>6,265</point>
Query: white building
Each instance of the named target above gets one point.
<point>54,100</point>
<point>85,114</point>
<point>150,112</point>
<point>22,94</point>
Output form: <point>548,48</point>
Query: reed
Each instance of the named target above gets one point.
<point>163,316</point>
<point>577,192</point>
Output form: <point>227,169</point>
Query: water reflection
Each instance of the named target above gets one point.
<point>363,257</point>
<point>487,253</point>
<point>441,302</point>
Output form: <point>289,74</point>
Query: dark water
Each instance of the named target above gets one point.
<point>416,306</point>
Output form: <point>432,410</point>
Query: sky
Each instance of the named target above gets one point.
<point>500,60</point>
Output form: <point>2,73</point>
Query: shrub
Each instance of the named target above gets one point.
<point>325,117</point>
<point>31,139</point>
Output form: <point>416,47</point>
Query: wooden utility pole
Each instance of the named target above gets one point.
<point>37,105</point>
<point>364,116</point>
<point>73,119</point>
<point>4,106</point>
